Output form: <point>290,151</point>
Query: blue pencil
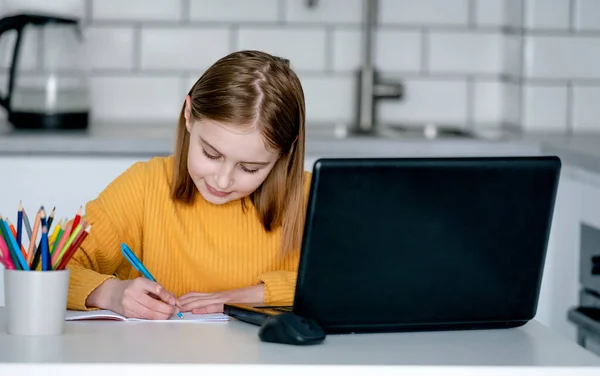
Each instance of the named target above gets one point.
<point>44,247</point>
<point>45,251</point>
<point>133,260</point>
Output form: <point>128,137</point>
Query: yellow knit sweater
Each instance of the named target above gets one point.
<point>201,247</point>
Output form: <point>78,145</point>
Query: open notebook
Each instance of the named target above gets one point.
<point>105,314</point>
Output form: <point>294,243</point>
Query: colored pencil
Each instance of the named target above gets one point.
<point>27,224</point>
<point>39,249</point>
<point>6,241</point>
<point>19,223</point>
<point>59,253</point>
<point>32,240</point>
<point>45,251</point>
<point>7,258</point>
<point>74,247</point>
<point>61,232</point>
<point>77,218</point>
<point>12,243</point>
<point>15,234</point>
<point>57,228</point>
<point>56,245</point>
<point>51,218</point>
<point>65,237</point>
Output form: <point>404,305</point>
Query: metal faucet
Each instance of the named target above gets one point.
<point>370,88</point>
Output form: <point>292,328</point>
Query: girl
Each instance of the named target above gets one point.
<point>218,221</point>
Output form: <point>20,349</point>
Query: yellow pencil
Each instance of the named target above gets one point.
<point>55,232</point>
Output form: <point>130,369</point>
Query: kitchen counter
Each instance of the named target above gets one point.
<point>125,140</point>
<point>220,346</point>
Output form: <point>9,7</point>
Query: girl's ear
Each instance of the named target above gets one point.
<point>187,112</point>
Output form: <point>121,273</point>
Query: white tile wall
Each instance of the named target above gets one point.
<point>424,12</point>
<point>326,12</point>
<point>512,103</point>
<point>547,14</point>
<point>587,15</point>
<point>120,41</point>
<point>586,109</point>
<point>183,48</point>
<point>398,51</point>
<point>512,59</point>
<point>139,98</point>
<point>234,10</point>
<point>514,13</point>
<point>304,46</point>
<point>545,108</point>
<point>564,56</point>
<point>430,100</point>
<point>136,10</point>
<point>340,91</point>
<point>487,102</point>
<point>469,63</point>
<point>465,52</point>
<point>490,13</point>
<point>68,8</point>
<point>394,50</point>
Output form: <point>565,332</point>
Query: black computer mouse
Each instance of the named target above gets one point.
<point>290,329</point>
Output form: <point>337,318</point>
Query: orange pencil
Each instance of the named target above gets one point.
<point>32,240</point>
<point>14,232</point>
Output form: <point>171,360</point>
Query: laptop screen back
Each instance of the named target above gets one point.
<point>393,242</point>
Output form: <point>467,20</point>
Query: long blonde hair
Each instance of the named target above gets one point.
<point>253,87</point>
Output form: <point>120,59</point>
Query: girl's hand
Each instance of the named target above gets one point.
<point>200,303</point>
<point>137,298</point>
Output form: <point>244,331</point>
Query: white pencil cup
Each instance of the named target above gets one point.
<point>36,301</point>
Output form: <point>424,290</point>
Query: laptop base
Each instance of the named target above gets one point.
<point>259,315</point>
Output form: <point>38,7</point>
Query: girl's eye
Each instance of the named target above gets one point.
<point>208,155</point>
<point>249,171</point>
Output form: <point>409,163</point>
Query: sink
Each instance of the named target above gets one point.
<point>405,132</point>
<point>430,131</point>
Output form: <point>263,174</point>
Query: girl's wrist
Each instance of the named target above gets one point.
<point>101,296</point>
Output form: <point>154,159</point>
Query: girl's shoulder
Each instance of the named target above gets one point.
<point>160,168</point>
<point>154,172</point>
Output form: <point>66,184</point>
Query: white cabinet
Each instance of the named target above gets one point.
<point>64,182</point>
<point>578,202</point>
<point>560,282</point>
<point>590,214</point>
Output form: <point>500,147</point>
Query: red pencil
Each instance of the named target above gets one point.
<point>77,218</point>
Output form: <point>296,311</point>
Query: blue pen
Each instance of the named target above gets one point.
<point>133,260</point>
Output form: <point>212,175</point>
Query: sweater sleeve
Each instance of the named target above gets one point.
<point>280,285</point>
<point>116,216</point>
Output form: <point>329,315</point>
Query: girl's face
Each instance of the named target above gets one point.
<point>226,163</point>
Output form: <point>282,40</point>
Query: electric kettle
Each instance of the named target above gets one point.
<point>53,95</point>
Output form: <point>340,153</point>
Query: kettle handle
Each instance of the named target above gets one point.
<point>17,23</point>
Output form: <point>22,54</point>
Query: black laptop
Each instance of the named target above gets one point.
<point>415,244</point>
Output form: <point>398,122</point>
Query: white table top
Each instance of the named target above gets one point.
<point>235,343</point>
